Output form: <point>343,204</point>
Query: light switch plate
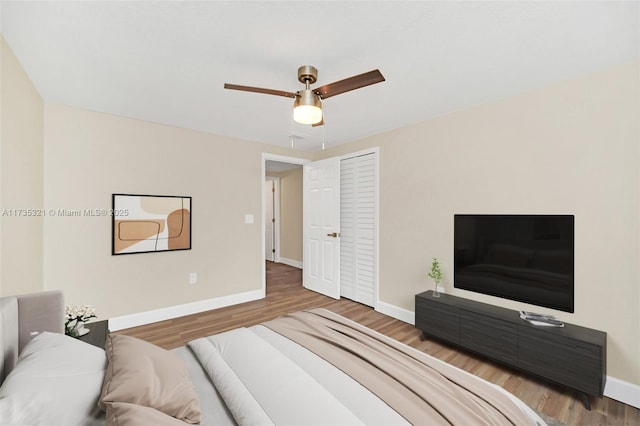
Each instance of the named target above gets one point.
<point>248,218</point>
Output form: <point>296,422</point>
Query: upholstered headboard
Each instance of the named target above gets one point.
<point>22,315</point>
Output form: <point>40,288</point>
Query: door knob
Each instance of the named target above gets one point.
<point>334,234</point>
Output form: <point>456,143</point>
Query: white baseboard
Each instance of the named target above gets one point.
<point>396,312</point>
<point>622,391</point>
<point>163,314</point>
<point>291,262</point>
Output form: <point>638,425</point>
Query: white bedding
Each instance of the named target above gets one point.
<point>265,378</point>
<point>214,410</point>
<point>57,380</point>
<point>281,383</point>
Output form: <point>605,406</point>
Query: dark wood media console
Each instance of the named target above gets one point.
<point>570,356</point>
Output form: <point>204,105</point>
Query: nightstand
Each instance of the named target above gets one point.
<point>98,334</point>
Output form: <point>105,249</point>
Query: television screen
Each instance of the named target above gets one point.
<point>527,258</point>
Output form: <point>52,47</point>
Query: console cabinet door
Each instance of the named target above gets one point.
<point>438,319</point>
<point>563,360</point>
<point>489,336</point>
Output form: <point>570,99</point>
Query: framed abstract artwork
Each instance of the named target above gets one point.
<point>150,223</point>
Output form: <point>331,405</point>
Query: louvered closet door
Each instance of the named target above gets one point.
<point>358,244</point>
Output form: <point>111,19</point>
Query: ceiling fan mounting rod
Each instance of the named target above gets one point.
<point>307,75</point>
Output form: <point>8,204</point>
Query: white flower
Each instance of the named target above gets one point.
<point>76,314</point>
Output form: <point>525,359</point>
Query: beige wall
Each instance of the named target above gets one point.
<point>21,178</point>
<point>290,214</point>
<point>569,148</point>
<point>89,156</point>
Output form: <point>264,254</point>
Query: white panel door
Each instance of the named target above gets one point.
<point>321,233</point>
<point>269,222</point>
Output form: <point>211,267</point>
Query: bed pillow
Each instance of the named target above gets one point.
<point>56,377</point>
<point>141,373</point>
<point>125,414</point>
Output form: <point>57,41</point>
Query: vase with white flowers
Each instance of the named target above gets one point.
<point>74,318</point>
<point>436,275</point>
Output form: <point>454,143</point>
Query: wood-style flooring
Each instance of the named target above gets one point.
<point>286,294</point>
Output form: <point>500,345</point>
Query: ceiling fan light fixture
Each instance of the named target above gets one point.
<point>307,108</point>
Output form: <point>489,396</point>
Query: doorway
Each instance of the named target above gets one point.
<point>284,174</point>
<point>355,274</point>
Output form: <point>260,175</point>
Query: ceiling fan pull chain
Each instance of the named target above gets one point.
<point>323,136</point>
<point>291,132</point>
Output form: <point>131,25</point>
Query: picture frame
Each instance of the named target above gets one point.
<point>150,223</point>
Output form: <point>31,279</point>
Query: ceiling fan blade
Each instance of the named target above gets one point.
<point>348,84</point>
<point>260,90</point>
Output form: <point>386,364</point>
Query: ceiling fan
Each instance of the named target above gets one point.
<point>307,107</point>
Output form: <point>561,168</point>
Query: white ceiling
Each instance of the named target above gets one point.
<point>167,61</point>
<point>279,167</point>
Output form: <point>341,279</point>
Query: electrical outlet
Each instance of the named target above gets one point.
<point>193,278</point>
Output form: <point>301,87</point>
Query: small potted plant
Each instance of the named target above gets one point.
<point>436,275</point>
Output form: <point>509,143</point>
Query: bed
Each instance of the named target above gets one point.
<point>307,367</point>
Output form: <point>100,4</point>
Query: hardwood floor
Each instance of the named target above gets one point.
<point>286,294</point>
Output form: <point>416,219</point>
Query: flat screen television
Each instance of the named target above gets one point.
<point>527,258</point>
